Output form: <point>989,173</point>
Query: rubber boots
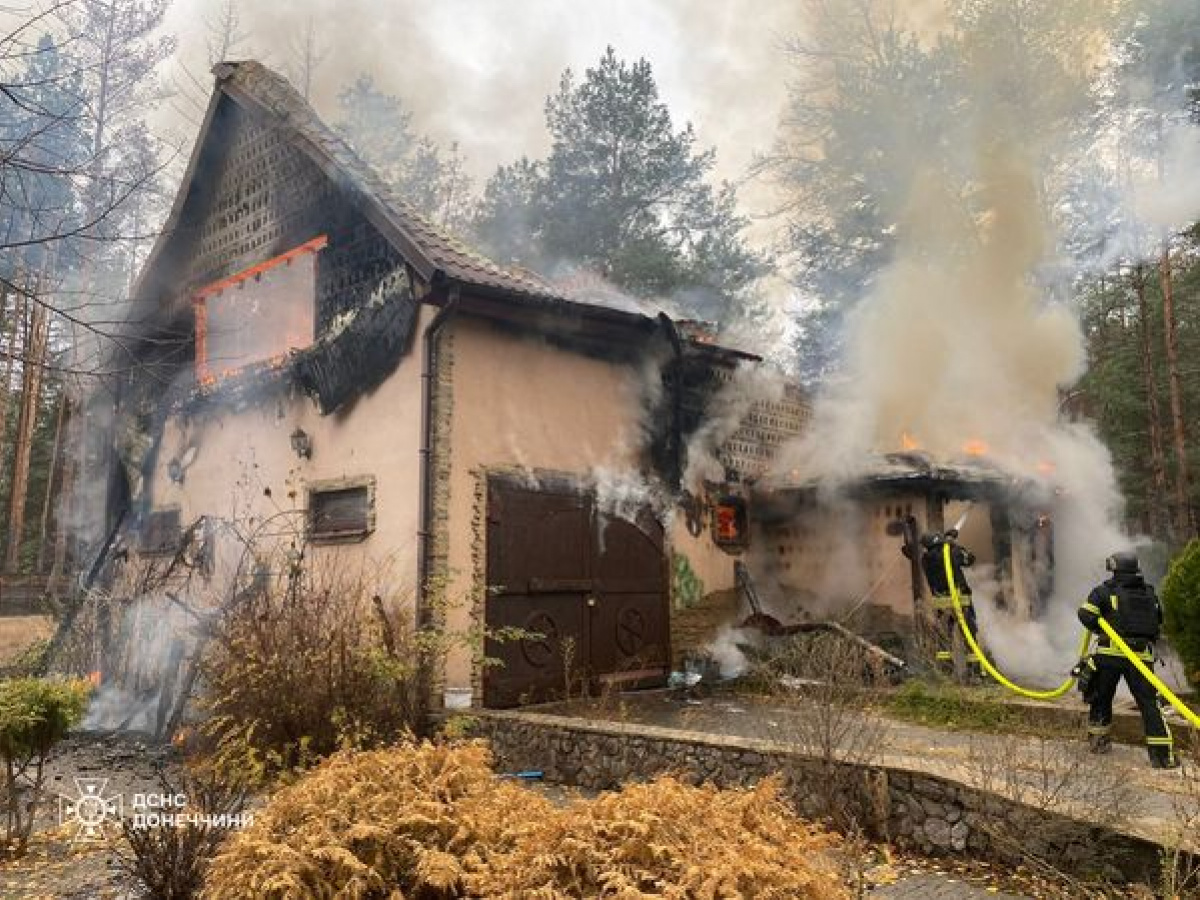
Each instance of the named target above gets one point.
<point>1163,758</point>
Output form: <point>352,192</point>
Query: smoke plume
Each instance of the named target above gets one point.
<point>959,347</point>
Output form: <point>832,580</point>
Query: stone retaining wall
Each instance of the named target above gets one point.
<point>912,809</point>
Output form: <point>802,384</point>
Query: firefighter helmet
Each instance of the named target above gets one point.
<point>1123,562</point>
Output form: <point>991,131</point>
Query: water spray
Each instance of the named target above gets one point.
<point>962,520</point>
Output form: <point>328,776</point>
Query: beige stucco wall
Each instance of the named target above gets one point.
<point>827,560</point>
<point>712,565</point>
<point>521,403</point>
<point>241,454</point>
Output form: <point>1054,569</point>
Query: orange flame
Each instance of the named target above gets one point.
<point>93,678</point>
<point>975,447</point>
<point>1045,467</point>
<point>908,442</point>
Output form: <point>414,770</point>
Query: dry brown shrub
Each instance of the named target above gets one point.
<point>311,663</point>
<point>429,821</point>
<point>668,839</point>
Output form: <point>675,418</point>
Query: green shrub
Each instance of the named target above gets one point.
<point>30,661</point>
<point>35,714</point>
<point>1181,608</point>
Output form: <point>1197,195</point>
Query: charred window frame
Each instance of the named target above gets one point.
<point>202,316</point>
<point>341,511</point>
<point>161,532</point>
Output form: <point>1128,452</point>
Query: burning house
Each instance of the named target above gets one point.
<point>840,553</point>
<point>319,353</point>
<point>322,363</point>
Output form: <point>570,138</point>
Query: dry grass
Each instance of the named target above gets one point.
<point>17,633</point>
<point>430,821</point>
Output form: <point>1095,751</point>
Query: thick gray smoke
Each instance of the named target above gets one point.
<point>958,349</point>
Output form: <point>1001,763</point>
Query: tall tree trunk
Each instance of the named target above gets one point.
<point>1182,514</point>
<point>60,432</point>
<point>1158,461</point>
<point>31,391</point>
<point>9,337</point>
<point>67,509</point>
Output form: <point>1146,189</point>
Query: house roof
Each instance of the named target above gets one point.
<point>253,84</point>
<point>437,256</point>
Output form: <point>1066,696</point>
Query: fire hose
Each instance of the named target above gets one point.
<point>1116,639</point>
<point>1119,642</point>
<point>986,663</point>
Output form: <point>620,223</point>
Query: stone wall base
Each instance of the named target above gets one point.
<point>913,810</point>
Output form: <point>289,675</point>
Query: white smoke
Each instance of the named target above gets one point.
<point>725,650</point>
<point>959,346</point>
<point>723,416</point>
<point>1172,202</point>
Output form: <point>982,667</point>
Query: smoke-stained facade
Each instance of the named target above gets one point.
<point>325,363</point>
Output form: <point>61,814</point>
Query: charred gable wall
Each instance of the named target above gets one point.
<point>258,195</point>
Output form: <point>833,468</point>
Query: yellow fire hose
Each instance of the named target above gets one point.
<point>1116,639</point>
<point>1149,675</point>
<point>956,598</point>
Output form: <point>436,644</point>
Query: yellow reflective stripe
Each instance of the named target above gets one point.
<point>1147,655</point>
<point>941,601</point>
<point>1099,729</point>
<point>1159,741</point>
<point>1113,598</point>
<point>1183,709</point>
<point>1091,663</point>
<point>1091,607</point>
<point>944,654</point>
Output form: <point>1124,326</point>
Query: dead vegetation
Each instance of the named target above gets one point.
<point>312,662</point>
<point>1060,784</point>
<point>169,861</point>
<point>832,679</point>
<point>435,822</point>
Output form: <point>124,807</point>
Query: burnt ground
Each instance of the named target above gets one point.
<point>60,865</point>
<point>62,862</point>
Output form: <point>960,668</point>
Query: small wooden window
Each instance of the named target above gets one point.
<point>161,531</point>
<point>341,511</point>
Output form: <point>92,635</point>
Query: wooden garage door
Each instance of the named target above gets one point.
<point>588,591</point>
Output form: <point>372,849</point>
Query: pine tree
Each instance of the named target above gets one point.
<point>379,128</point>
<point>624,194</point>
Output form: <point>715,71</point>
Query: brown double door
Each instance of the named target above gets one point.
<point>575,598</point>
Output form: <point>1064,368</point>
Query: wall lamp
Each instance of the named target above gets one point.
<point>302,443</point>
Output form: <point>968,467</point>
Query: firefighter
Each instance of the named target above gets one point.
<point>1131,607</point>
<point>933,563</point>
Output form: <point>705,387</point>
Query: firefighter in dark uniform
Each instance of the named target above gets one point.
<point>933,564</point>
<point>1131,607</point>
